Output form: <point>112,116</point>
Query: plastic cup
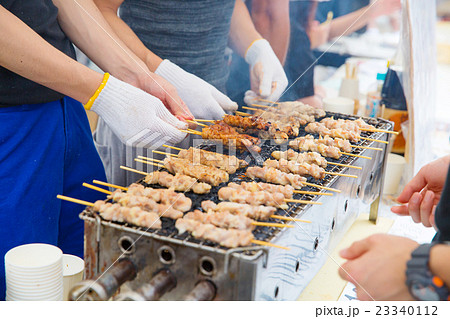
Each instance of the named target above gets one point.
<point>34,257</point>
<point>73,269</point>
<point>349,89</point>
<point>394,172</point>
<point>339,105</point>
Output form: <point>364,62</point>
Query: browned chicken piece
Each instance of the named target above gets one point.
<point>133,215</point>
<point>230,138</point>
<point>307,157</point>
<point>231,238</point>
<point>178,182</point>
<point>259,212</point>
<point>203,173</point>
<point>287,190</point>
<point>308,144</point>
<point>165,196</point>
<point>342,144</point>
<point>224,162</point>
<point>352,125</point>
<point>222,219</point>
<point>252,198</point>
<point>320,128</point>
<point>246,123</point>
<point>275,176</point>
<point>303,169</point>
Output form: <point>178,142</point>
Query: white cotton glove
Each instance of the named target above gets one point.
<point>267,76</point>
<point>136,117</point>
<point>202,99</point>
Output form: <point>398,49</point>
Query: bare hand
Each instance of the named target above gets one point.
<point>376,266</point>
<point>423,192</point>
<point>319,33</point>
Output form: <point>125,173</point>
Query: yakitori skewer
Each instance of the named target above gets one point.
<point>99,189</point>
<point>109,185</point>
<point>172,147</point>
<point>242,113</point>
<point>349,134</point>
<point>267,101</point>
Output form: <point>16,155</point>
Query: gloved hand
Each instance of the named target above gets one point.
<point>203,99</point>
<point>136,117</point>
<point>267,76</point>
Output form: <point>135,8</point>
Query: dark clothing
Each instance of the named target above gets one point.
<point>192,34</point>
<point>41,16</point>
<point>45,150</point>
<point>339,8</point>
<point>442,213</point>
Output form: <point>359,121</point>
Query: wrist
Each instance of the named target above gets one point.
<point>95,95</point>
<point>254,50</point>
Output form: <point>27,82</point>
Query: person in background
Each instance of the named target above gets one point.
<point>185,43</point>
<point>46,144</point>
<point>386,267</point>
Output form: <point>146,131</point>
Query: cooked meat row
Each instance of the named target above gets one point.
<point>256,212</point>
<point>287,190</point>
<point>307,157</point>
<point>349,125</point>
<point>178,182</point>
<point>222,219</point>
<point>275,176</point>
<point>321,129</point>
<point>294,167</point>
<point>307,144</point>
<point>230,138</point>
<point>252,198</point>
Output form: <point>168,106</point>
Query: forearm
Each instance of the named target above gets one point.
<point>440,262</point>
<point>24,52</point>
<point>86,27</point>
<point>242,30</point>
<point>271,20</point>
<point>126,34</point>
<point>350,23</point>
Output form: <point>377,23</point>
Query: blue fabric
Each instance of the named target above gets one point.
<point>339,8</point>
<point>45,150</point>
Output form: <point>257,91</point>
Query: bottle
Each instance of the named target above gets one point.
<point>373,104</point>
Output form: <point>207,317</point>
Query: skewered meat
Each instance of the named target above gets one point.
<point>275,176</point>
<point>225,162</point>
<point>252,198</point>
<point>303,169</point>
<point>222,219</point>
<point>231,238</point>
<point>147,204</point>
<point>308,157</point>
<point>133,215</point>
<point>178,182</point>
<point>206,174</point>
<point>350,125</point>
<point>246,123</point>
<point>302,108</point>
<point>321,129</point>
<point>256,212</point>
<point>230,137</point>
<point>309,144</point>
<point>343,145</point>
<point>287,191</point>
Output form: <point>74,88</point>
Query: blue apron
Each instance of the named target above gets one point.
<point>192,34</point>
<point>45,149</point>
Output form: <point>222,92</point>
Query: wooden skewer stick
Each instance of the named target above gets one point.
<point>312,193</point>
<point>264,243</point>
<point>99,189</point>
<point>242,113</point>
<point>150,159</point>
<point>172,147</point>
<point>374,140</point>
<point>207,121</point>
<point>339,174</point>
<point>272,225</point>
<point>368,148</point>
<point>158,152</point>
<point>133,170</point>
<point>191,132</point>
<point>378,130</point>
<point>109,185</point>
<point>74,200</point>
<point>290,219</point>
<point>267,101</point>
<point>195,122</point>
<point>148,163</point>
<point>360,156</point>
<point>260,105</point>
<point>344,165</point>
<point>322,187</point>
<point>250,108</point>
<point>300,201</point>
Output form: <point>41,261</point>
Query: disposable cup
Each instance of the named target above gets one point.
<point>33,257</point>
<point>73,268</point>
<point>56,295</point>
<point>30,274</point>
<point>339,105</point>
<point>349,88</point>
<point>394,171</point>
<point>38,285</point>
<point>34,292</point>
<point>28,278</point>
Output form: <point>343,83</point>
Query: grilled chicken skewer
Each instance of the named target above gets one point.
<point>287,190</point>
<point>252,198</point>
<point>307,157</point>
<point>352,135</point>
<point>222,219</point>
<point>259,212</point>
<point>178,182</point>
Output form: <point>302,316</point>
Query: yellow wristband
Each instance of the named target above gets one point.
<point>251,45</point>
<point>89,104</point>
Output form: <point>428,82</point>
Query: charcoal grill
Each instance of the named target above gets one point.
<point>202,270</point>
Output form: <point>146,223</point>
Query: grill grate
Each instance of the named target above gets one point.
<point>263,233</point>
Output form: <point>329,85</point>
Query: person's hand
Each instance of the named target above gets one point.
<point>136,117</point>
<point>319,33</point>
<point>376,266</point>
<point>159,87</point>
<point>423,192</point>
<point>313,100</point>
<point>203,99</point>
<point>384,7</point>
<point>267,77</point>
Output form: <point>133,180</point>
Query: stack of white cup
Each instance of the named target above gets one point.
<point>34,272</point>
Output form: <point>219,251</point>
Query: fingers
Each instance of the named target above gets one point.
<point>177,107</point>
<point>415,185</point>
<point>414,207</point>
<point>280,85</point>
<point>355,250</point>
<point>400,210</point>
<point>209,110</point>
<point>250,97</point>
<point>265,85</point>
<point>173,134</point>
<point>168,118</point>
<point>426,208</point>
<point>223,100</point>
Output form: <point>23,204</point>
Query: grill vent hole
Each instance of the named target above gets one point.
<point>277,290</point>
<point>207,266</point>
<point>126,245</point>
<point>166,255</point>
